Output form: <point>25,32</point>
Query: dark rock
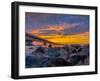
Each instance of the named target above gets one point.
<point>61,62</point>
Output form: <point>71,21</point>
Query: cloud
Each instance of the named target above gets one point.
<point>35,17</point>
<point>46,23</point>
<point>55,27</point>
<point>60,29</point>
<point>37,32</point>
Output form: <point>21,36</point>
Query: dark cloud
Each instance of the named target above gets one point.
<point>66,24</point>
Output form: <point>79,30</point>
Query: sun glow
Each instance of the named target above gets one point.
<point>82,38</point>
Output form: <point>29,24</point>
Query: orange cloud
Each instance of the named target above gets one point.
<point>56,28</point>
<point>42,30</point>
<point>62,26</point>
<point>36,32</point>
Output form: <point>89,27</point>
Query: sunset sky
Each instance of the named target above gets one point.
<point>58,28</point>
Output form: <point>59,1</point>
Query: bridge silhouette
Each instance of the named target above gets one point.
<point>30,38</point>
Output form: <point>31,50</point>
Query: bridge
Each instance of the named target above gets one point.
<point>30,38</point>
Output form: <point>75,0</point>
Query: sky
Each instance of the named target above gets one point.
<point>56,26</point>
